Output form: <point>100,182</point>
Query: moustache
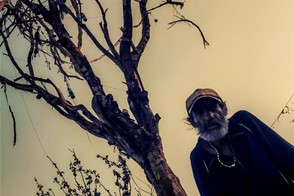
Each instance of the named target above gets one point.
<point>213,123</point>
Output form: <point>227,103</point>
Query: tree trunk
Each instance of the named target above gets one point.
<point>165,182</point>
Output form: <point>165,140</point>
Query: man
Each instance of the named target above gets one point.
<point>240,156</point>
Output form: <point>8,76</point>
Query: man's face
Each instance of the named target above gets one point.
<point>210,119</point>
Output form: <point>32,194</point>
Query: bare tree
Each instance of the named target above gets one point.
<point>134,133</point>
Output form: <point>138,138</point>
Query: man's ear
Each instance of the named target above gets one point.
<point>191,120</point>
<point>224,108</point>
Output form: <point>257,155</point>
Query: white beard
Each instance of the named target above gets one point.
<point>216,134</point>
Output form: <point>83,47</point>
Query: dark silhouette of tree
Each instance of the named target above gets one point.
<point>135,131</point>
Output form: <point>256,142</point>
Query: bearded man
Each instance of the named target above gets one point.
<point>239,156</point>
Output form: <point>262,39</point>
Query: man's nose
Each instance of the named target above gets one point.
<point>208,115</point>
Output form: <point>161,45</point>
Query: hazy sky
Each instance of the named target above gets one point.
<point>250,62</point>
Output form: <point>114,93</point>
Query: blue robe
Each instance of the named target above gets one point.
<point>265,162</point>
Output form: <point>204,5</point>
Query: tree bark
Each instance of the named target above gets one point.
<point>158,172</point>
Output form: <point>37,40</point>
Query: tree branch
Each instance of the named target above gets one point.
<point>183,19</point>
<point>12,115</point>
<point>176,3</point>
<point>23,87</point>
<point>105,31</point>
<point>77,7</point>
<point>126,42</point>
<point>145,29</point>
<point>92,37</point>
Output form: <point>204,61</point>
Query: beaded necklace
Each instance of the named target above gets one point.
<point>219,160</point>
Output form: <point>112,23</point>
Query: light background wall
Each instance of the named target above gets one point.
<point>250,62</point>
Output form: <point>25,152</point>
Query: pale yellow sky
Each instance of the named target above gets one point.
<point>250,62</point>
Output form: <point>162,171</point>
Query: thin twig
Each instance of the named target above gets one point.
<point>12,115</point>
<point>183,19</point>
<point>282,112</point>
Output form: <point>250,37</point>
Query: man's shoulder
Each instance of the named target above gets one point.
<point>248,121</point>
<point>242,116</point>
<point>241,113</point>
<point>244,120</point>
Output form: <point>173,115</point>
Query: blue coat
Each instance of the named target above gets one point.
<point>265,162</point>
